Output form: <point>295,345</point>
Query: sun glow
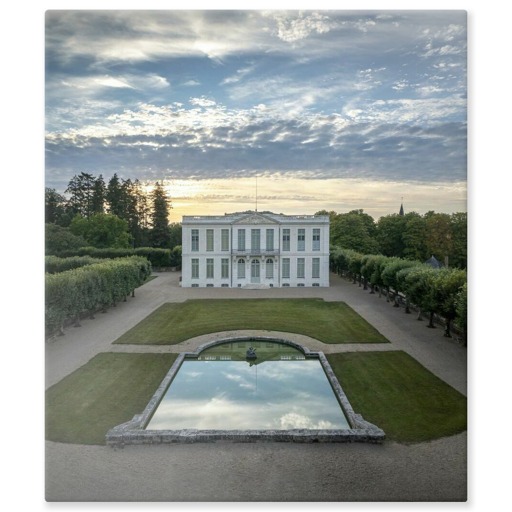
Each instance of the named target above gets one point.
<point>307,196</point>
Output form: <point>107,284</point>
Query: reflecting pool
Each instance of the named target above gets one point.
<point>280,390</point>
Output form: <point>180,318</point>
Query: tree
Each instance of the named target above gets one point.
<point>389,235</point>
<point>446,285</point>
<point>438,236</point>
<point>81,189</point>
<point>418,284</point>
<point>461,308</point>
<point>98,196</point>
<point>175,234</point>
<point>116,197</point>
<point>102,230</point>
<point>389,275</point>
<point>401,279</point>
<point>159,217</point>
<point>413,237</point>
<point>459,227</point>
<point>354,230</point>
<point>58,239</point>
<point>54,206</point>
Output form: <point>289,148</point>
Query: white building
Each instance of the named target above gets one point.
<point>257,250</point>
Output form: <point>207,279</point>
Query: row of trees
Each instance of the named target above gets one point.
<point>93,209</point>
<point>411,236</point>
<point>441,292</point>
<point>88,288</point>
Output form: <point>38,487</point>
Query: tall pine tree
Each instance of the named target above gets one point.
<point>160,217</point>
<point>81,190</point>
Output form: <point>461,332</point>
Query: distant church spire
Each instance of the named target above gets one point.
<point>401,212</point>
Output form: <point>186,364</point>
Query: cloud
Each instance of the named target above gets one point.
<point>220,94</point>
<point>291,27</point>
<point>386,141</point>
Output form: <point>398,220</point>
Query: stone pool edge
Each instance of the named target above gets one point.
<point>133,431</point>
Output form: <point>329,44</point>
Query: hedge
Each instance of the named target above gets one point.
<point>437,291</point>
<point>54,264</point>
<point>158,257</point>
<point>73,293</point>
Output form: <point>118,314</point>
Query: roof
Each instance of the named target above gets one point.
<point>433,262</point>
<point>253,217</point>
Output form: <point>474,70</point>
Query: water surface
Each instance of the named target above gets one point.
<point>280,390</point>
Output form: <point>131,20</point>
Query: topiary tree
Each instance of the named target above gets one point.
<point>417,287</point>
<point>389,275</point>
<point>446,285</point>
<point>461,308</point>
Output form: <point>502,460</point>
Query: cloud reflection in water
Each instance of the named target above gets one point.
<point>226,395</point>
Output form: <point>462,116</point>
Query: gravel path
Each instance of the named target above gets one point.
<point>435,471</point>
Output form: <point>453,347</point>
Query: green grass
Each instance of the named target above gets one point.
<point>389,389</point>
<point>393,391</point>
<point>109,390</point>
<point>329,322</point>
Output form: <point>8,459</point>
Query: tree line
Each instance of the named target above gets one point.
<point>433,291</point>
<point>411,236</point>
<point>119,213</point>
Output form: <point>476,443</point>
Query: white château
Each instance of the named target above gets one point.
<point>255,250</point>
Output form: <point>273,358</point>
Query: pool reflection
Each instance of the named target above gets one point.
<point>279,392</point>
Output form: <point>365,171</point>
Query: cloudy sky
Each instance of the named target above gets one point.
<point>304,110</point>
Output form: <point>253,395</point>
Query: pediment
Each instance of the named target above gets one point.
<point>256,218</point>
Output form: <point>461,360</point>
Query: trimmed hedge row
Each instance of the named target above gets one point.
<point>438,291</point>
<point>85,290</point>
<point>158,257</point>
<point>54,264</point>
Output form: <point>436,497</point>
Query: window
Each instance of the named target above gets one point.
<point>195,240</point>
<point>315,273</point>
<point>209,239</point>
<point>241,239</point>
<point>316,239</point>
<point>224,268</point>
<point>209,268</point>
<point>286,268</point>
<point>195,268</point>
<point>241,269</point>
<point>270,240</point>
<point>286,239</point>
<point>255,240</point>
<point>269,269</point>
<point>224,240</point>
<point>300,268</point>
<point>301,240</point>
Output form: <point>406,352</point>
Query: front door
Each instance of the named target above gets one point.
<point>255,271</point>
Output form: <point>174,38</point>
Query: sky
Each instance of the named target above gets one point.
<point>287,111</point>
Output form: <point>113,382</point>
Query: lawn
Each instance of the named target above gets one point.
<point>395,392</point>
<point>389,389</point>
<point>329,322</point>
<point>109,390</point>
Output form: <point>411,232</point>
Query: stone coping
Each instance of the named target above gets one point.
<point>134,432</point>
